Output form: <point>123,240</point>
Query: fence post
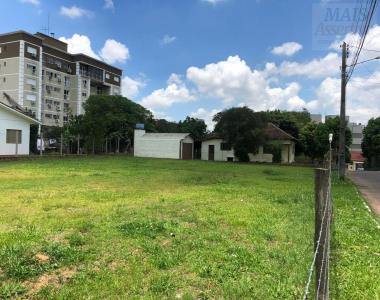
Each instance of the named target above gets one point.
<point>78,144</point>
<point>61,145</point>
<point>321,221</point>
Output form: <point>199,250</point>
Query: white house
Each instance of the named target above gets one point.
<point>163,145</point>
<point>14,130</point>
<point>215,148</point>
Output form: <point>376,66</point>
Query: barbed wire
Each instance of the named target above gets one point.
<point>311,269</point>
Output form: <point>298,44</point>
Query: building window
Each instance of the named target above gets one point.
<point>116,79</point>
<point>31,68</point>
<point>4,79</point>
<point>0,50</point>
<point>57,89</point>
<point>66,94</point>
<point>32,83</point>
<point>13,136</point>
<point>48,116</point>
<point>84,94</point>
<point>225,147</point>
<point>5,64</point>
<point>85,83</point>
<point>67,81</point>
<point>32,51</point>
<point>107,76</point>
<point>31,97</point>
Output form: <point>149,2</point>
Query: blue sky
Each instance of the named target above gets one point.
<point>196,57</point>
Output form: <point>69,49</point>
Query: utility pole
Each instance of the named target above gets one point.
<point>342,129</point>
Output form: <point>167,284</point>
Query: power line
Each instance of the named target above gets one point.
<point>363,35</point>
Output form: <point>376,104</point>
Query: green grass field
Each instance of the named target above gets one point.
<point>121,227</point>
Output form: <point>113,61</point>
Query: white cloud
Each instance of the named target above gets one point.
<point>108,4</point>
<point>206,115</point>
<point>234,82</point>
<point>34,2</point>
<point>114,51</point>
<point>161,115</point>
<point>131,87</point>
<point>313,69</point>
<point>287,49</point>
<point>214,2</point>
<point>75,12</point>
<point>167,39</point>
<point>175,92</point>
<point>79,44</point>
<point>362,97</point>
<point>372,42</point>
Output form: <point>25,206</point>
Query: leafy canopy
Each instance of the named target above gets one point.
<point>371,142</point>
<point>242,129</point>
<point>315,138</point>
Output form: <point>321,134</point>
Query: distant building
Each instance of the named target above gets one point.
<point>357,136</point>
<point>14,130</point>
<point>215,148</point>
<point>317,118</point>
<point>163,145</point>
<point>38,73</point>
<point>335,116</point>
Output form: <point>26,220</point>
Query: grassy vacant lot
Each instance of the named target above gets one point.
<point>120,227</point>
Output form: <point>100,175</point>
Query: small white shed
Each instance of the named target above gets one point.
<point>163,145</point>
<point>14,131</point>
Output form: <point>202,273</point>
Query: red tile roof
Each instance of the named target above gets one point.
<point>357,156</point>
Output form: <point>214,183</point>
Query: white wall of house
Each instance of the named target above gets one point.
<point>219,155</point>
<point>224,155</point>
<point>261,156</point>
<point>287,152</point>
<point>160,145</point>
<point>9,120</point>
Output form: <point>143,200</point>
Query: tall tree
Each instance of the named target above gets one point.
<point>371,143</point>
<point>165,126</point>
<point>315,139</point>
<point>241,128</point>
<point>196,127</point>
<point>110,118</point>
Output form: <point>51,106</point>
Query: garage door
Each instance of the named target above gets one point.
<point>187,151</point>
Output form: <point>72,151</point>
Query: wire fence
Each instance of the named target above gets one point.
<point>319,268</point>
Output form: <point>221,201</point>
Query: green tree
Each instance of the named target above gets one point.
<point>165,126</point>
<point>242,129</point>
<point>371,143</point>
<point>315,139</point>
<point>196,127</point>
<point>113,118</point>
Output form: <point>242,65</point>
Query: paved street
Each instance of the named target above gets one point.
<point>368,183</point>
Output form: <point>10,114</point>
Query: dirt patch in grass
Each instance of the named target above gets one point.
<point>42,258</point>
<point>56,280</point>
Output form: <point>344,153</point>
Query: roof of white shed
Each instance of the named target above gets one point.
<point>174,136</point>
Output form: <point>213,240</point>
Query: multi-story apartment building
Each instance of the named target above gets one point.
<point>357,136</point>
<point>38,73</point>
